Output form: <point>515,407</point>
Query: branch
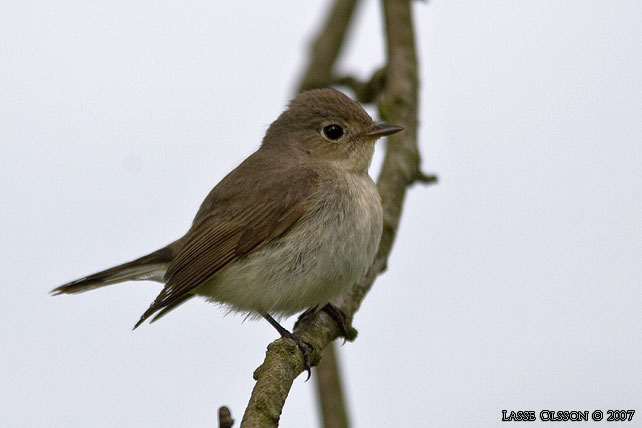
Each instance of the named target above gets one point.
<point>329,391</point>
<point>225,418</point>
<point>327,46</point>
<point>365,92</point>
<point>426,179</point>
<point>398,104</point>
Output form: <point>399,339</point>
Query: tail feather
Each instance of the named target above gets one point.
<point>151,266</point>
<point>169,308</point>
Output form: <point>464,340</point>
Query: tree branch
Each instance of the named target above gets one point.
<point>225,418</point>
<point>397,104</point>
<point>329,391</point>
<point>327,46</point>
<point>365,91</point>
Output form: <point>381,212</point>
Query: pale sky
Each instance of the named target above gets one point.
<point>516,283</point>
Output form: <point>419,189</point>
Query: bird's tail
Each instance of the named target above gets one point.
<point>151,266</point>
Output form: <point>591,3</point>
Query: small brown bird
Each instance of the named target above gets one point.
<point>291,228</point>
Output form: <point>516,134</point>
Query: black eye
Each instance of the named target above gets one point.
<point>333,132</point>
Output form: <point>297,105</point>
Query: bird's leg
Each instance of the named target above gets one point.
<point>304,346</point>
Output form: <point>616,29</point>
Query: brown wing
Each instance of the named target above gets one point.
<point>231,223</point>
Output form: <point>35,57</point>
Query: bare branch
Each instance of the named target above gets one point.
<point>225,418</point>
<point>365,92</point>
<point>327,46</point>
<point>426,178</point>
<point>329,391</point>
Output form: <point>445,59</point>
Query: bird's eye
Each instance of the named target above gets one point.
<point>333,132</point>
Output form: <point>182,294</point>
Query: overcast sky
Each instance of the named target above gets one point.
<point>516,283</point>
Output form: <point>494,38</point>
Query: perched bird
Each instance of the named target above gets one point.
<point>291,228</point>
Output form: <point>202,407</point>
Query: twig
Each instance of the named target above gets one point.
<point>225,418</point>
<point>327,46</point>
<point>329,390</point>
<point>365,92</point>
<point>426,179</point>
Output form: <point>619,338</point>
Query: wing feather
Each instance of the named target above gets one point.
<point>230,224</point>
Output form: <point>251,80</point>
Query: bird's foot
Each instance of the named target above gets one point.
<point>305,346</point>
<point>347,331</point>
<point>306,349</point>
<point>338,315</point>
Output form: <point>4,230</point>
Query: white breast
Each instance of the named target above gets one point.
<point>320,257</point>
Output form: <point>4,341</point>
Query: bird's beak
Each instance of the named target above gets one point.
<point>383,129</point>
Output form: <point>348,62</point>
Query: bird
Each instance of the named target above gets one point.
<point>293,227</point>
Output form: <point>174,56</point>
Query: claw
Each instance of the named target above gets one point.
<point>338,315</point>
<point>305,346</point>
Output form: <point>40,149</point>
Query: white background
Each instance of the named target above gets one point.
<point>516,283</point>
